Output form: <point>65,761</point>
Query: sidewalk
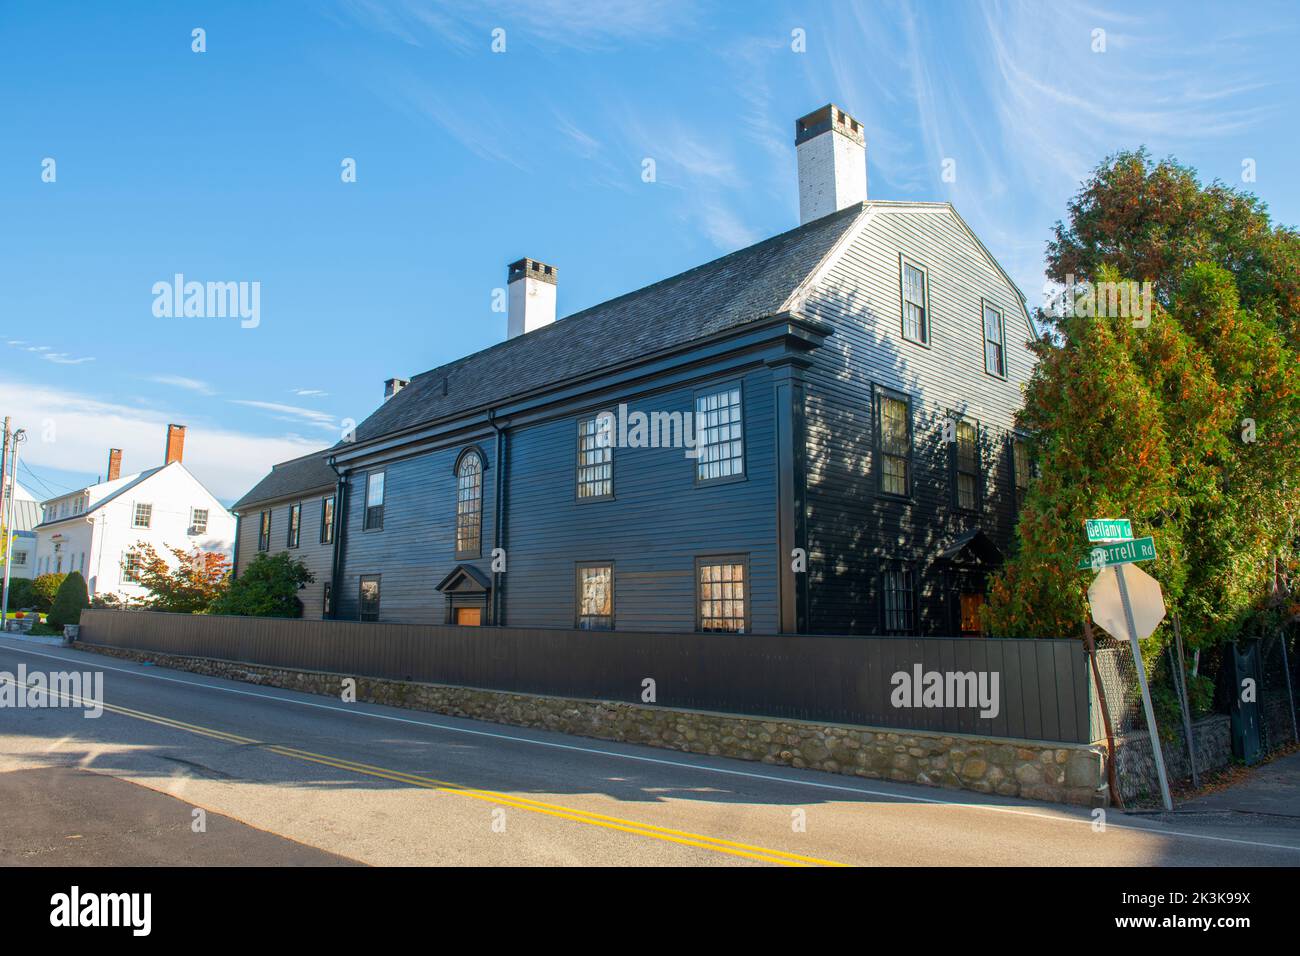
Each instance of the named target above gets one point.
<point>1272,788</point>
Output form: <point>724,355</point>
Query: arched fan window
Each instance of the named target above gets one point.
<point>469,505</point>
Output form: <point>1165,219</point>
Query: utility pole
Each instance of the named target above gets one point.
<point>9,478</point>
<point>4,526</point>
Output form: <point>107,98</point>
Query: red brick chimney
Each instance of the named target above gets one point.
<point>175,443</point>
<point>114,464</point>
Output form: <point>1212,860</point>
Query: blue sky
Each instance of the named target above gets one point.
<point>225,166</point>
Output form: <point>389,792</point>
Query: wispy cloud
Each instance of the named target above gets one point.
<point>309,392</point>
<point>63,358</point>
<point>72,431</point>
<point>189,384</point>
<point>296,413</point>
<point>571,24</point>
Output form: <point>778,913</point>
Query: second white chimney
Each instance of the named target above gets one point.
<point>531,287</point>
<point>832,150</point>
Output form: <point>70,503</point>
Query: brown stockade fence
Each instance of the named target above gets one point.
<point>1043,684</point>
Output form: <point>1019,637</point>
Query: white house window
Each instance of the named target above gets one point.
<point>595,458</point>
<point>199,521</point>
<point>718,432</point>
<point>131,567</point>
<point>721,599</point>
<point>143,515</point>
<point>995,361</point>
<point>20,559</point>
<point>596,597</point>
<point>916,317</point>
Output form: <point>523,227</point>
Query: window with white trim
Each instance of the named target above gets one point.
<point>131,566</point>
<point>198,521</point>
<point>142,516</point>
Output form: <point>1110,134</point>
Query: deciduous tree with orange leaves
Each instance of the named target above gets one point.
<point>1188,424</point>
<point>189,584</point>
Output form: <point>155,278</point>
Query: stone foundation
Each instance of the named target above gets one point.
<point>1035,770</point>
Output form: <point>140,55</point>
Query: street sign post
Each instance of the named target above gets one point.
<point>1123,552</point>
<point>1127,602</point>
<point>1108,529</point>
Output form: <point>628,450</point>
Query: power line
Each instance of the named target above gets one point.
<point>46,484</point>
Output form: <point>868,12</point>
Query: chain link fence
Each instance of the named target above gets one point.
<point>1273,658</point>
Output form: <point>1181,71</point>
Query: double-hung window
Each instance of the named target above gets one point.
<point>719,434</point>
<point>595,458</point>
<point>327,520</point>
<point>916,303</point>
<point>721,594</point>
<point>295,525</point>
<point>264,532</point>
<point>198,521</point>
<point>1022,470</point>
<point>143,515</point>
<point>995,357</point>
<point>898,590</point>
<point>374,518</point>
<point>966,466</point>
<point>894,443</point>
<point>368,599</point>
<point>595,597</point>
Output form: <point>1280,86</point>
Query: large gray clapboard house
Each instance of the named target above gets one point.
<point>851,384</point>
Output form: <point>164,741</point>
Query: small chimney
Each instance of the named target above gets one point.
<point>175,443</point>
<point>832,152</point>
<point>114,464</point>
<point>532,286</point>
<point>394,385</point>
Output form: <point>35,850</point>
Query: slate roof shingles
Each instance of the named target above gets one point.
<point>737,288</point>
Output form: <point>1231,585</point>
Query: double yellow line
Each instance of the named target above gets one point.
<point>648,830</point>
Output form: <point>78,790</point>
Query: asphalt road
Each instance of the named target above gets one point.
<point>288,778</point>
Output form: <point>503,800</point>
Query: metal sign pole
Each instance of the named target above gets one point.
<point>1185,702</point>
<point>1146,691</point>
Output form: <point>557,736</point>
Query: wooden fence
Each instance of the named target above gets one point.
<point>1043,685</point>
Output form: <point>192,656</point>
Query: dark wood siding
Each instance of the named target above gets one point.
<point>316,556</point>
<point>657,523</point>
<point>851,529</point>
<point>416,547</point>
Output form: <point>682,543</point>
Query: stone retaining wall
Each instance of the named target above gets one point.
<point>1035,770</point>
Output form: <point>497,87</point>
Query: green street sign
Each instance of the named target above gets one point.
<point>1108,529</point>
<point>1125,552</point>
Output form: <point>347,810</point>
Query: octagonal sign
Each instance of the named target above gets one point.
<point>1144,595</point>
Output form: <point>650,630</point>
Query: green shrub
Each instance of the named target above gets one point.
<point>20,593</point>
<point>69,602</point>
<point>44,588</point>
<point>268,587</point>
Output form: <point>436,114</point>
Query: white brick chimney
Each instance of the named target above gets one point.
<point>832,154</point>
<point>531,286</point>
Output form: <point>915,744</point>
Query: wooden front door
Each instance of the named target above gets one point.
<point>469,616</point>
<point>970,613</point>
